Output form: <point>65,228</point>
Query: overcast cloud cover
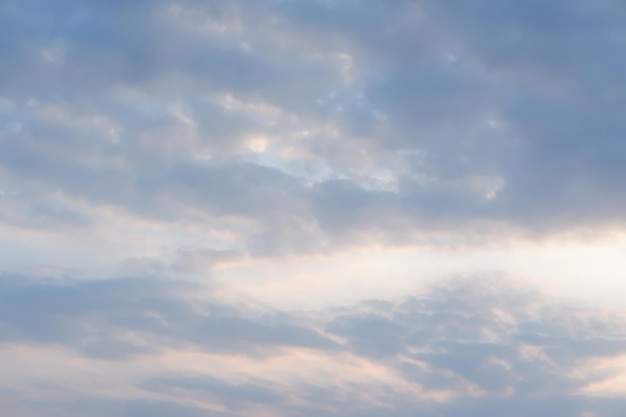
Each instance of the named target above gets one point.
<point>351,208</point>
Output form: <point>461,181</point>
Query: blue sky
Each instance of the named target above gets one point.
<point>312,207</point>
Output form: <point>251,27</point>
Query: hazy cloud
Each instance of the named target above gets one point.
<point>482,348</point>
<point>190,144</point>
<point>505,113</point>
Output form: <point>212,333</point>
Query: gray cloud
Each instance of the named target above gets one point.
<point>523,352</point>
<point>517,102</point>
<point>288,127</point>
<point>93,317</point>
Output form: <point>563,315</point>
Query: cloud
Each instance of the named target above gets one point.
<point>480,347</point>
<point>196,145</point>
<point>437,115</point>
<point>115,319</point>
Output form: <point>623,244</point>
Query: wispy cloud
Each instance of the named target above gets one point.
<point>460,347</point>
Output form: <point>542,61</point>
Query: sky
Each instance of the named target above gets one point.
<point>302,208</point>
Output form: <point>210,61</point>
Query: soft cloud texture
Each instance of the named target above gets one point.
<point>228,208</point>
<point>334,114</point>
<point>463,348</point>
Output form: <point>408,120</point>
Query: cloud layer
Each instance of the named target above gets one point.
<point>462,348</point>
<point>160,159</point>
<point>324,117</point>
